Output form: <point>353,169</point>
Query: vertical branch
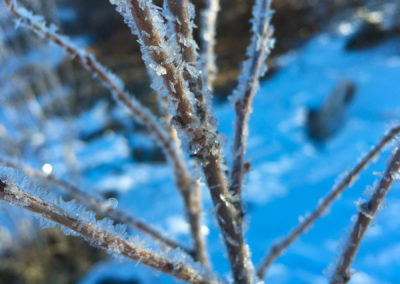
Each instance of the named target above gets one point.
<point>182,12</point>
<point>191,194</point>
<point>182,19</point>
<point>209,30</point>
<point>366,213</point>
<point>100,237</point>
<point>278,248</point>
<point>227,217</point>
<point>145,21</point>
<point>193,210</point>
<point>252,69</point>
<point>194,214</point>
<point>100,206</point>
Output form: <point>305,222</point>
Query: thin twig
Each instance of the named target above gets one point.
<point>99,206</point>
<point>252,70</point>
<point>209,30</point>
<point>183,22</point>
<point>278,248</point>
<point>146,22</point>
<point>185,182</point>
<point>111,81</point>
<point>100,237</point>
<point>366,213</point>
<point>193,211</point>
<point>182,12</point>
<point>195,216</point>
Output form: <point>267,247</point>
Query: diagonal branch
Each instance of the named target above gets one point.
<point>253,68</point>
<point>278,248</point>
<point>209,30</point>
<point>99,206</point>
<point>110,80</point>
<point>100,237</point>
<point>185,183</point>
<point>145,21</point>
<point>366,213</point>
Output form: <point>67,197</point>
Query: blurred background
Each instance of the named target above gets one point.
<point>331,91</point>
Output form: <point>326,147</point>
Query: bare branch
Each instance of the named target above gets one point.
<point>253,68</point>
<point>194,215</point>
<point>227,217</point>
<point>146,22</point>
<point>209,30</point>
<point>99,237</point>
<point>144,19</point>
<point>185,183</point>
<point>366,213</point>
<point>110,80</point>
<point>183,23</point>
<point>193,211</point>
<point>99,206</point>
<point>182,19</point>
<point>278,248</point>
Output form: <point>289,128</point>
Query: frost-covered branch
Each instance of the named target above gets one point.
<point>100,237</point>
<point>253,68</point>
<point>202,142</point>
<point>185,183</point>
<point>145,21</point>
<point>193,210</point>
<point>181,24</point>
<point>278,248</point>
<point>209,30</point>
<point>98,205</point>
<point>366,213</point>
<point>110,80</point>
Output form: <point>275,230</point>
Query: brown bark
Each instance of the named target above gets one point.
<point>366,213</point>
<point>205,141</point>
<point>101,207</point>
<point>99,237</point>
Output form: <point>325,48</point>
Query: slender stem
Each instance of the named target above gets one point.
<point>227,217</point>
<point>183,14</point>
<point>99,237</point>
<point>278,248</point>
<point>111,81</point>
<point>194,213</point>
<point>209,30</point>
<point>366,213</point>
<point>99,206</point>
<point>183,31</point>
<point>247,86</point>
<point>146,23</point>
